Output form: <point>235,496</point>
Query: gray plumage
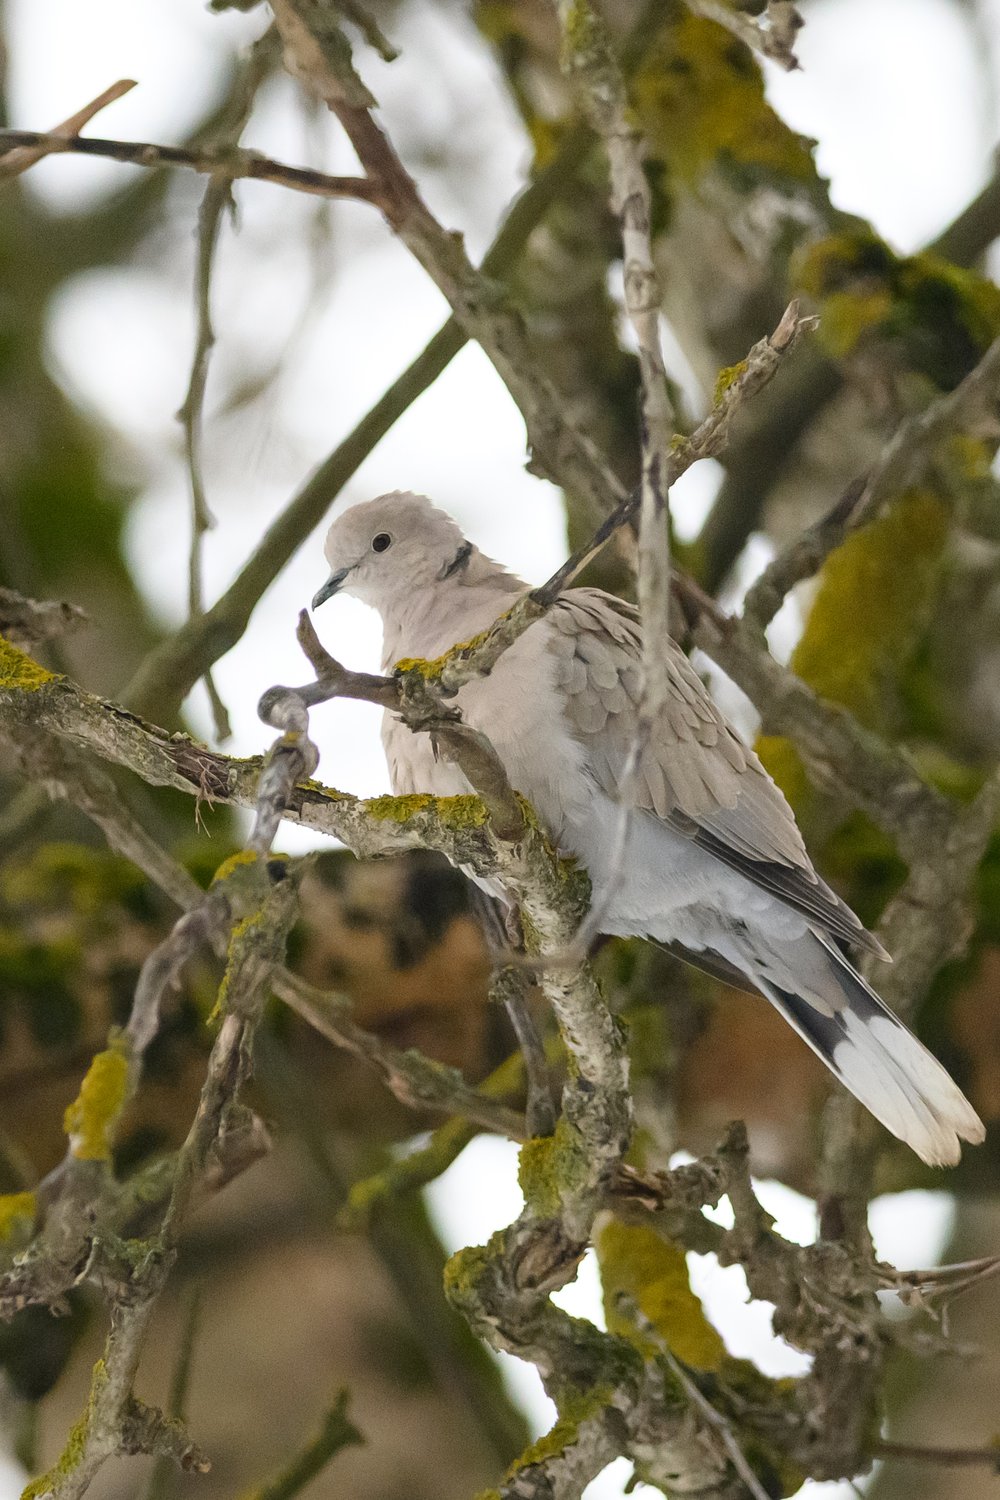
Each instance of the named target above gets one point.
<point>714,861</point>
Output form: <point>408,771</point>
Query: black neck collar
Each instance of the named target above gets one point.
<point>458,562</point>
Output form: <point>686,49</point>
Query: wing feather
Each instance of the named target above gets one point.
<point>695,772</point>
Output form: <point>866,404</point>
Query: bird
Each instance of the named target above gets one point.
<point>714,865</point>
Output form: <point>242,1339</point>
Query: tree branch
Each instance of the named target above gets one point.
<point>772,33</point>
<point>911,451</point>
<point>317,53</point>
<point>336,1432</point>
<point>14,162</point>
<point>173,667</point>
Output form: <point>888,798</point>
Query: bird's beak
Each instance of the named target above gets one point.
<point>330,587</point>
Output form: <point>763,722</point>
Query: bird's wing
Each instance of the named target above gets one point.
<point>694,771</point>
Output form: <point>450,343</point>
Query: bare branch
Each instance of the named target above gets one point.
<point>217,199</point>
<point>772,33</point>
<point>336,1432</point>
<point>509,986</point>
<point>949,1458</point>
<point>725,1429</point>
<point>13,163</point>
<point>27,622</point>
<point>416,1081</point>
<point>319,56</point>
<point>172,668</point>
<point>232,163</point>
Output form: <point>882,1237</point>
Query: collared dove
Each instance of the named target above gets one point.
<point>714,862</point>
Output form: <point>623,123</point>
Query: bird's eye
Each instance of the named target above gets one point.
<point>381,542</point>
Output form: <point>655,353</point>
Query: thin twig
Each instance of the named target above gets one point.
<point>163,1470</point>
<point>715,1419</point>
<point>14,162</point>
<point>418,1082</point>
<point>591,63</point>
<point>171,668</point>
<point>216,201</point>
<point>958,1458</point>
<point>466,663</point>
<point>508,986</point>
<point>233,163</point>
<point>335,1433</point>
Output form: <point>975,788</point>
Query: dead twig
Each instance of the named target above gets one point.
<point>61,137</point>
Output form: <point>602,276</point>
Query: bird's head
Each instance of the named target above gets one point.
<point>389,547</point>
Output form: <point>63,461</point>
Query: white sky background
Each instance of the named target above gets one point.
<point>906,118</point>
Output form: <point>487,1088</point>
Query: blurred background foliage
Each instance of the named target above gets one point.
<point>902,627</point>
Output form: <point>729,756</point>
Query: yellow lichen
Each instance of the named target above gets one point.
<point>431,668</point>
<point>848,315</point>
<point>873,597</point>
<point>75,1443</point>
<point>549,1166</point>
<point>942,317</point>
<point>784,764</point>
<point>241,857</point>
<point>641,1270</point>
<point>19,670</point>
<point>239,932</point>
<point>573,1409</point>
<point>455,812</point>
<point>727,377</point>
<point>466,1269</point>
<point>17,1216</point>
<point>90,1120</point>
<point>700,97</point>
<point>581,32</point>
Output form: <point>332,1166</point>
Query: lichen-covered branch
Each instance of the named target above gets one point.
<point>613,1397</point>
<point>761,453</point>
<point>132,1273</point>
<point>911,451</point>
<point>417,1081</point>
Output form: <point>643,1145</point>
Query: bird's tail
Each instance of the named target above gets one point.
<point>875,1056</point>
